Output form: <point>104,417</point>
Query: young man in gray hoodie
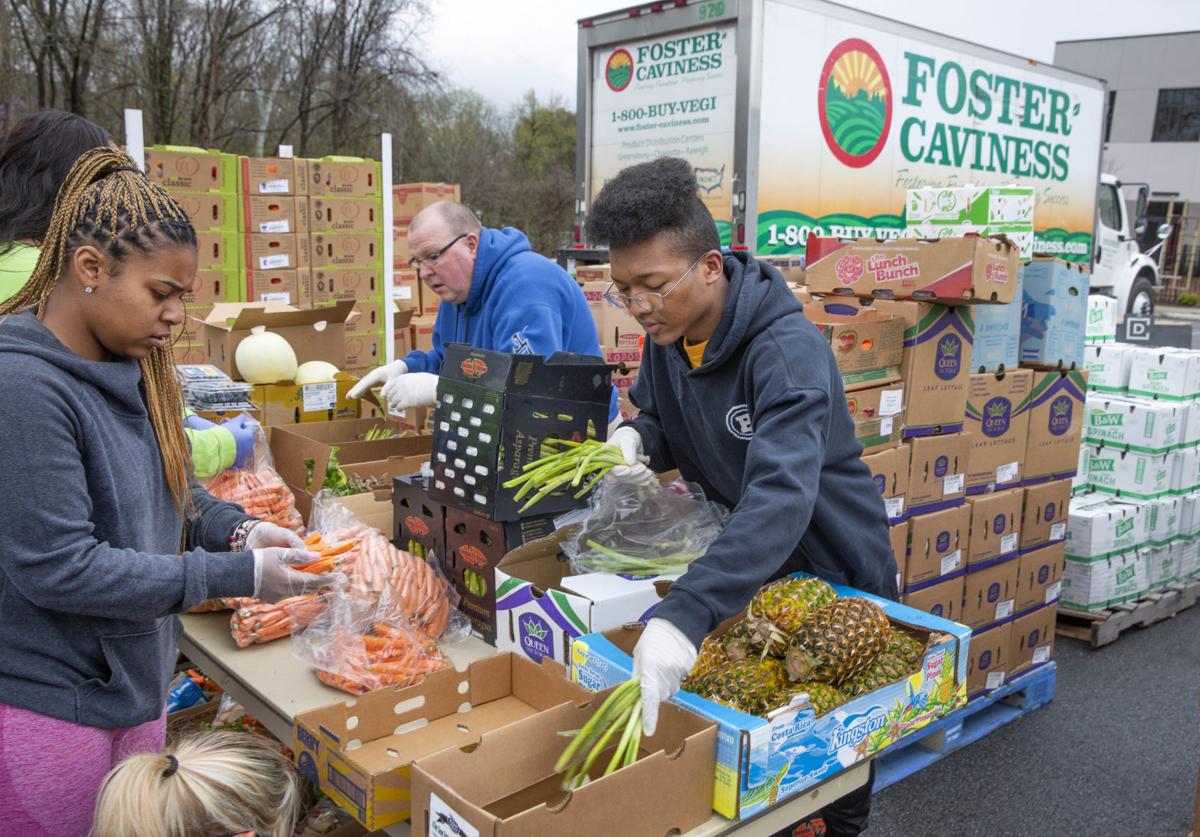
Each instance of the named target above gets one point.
<point>739,391</point>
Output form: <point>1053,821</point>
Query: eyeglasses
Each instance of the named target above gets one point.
<point>432,259</point>
<point>647,302</point>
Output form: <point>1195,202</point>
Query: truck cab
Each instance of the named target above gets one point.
<point>1119,268</point>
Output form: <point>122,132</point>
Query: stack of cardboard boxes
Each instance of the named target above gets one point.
<point>411,294</point>
<point>621,338</point>
<point>977,490</point>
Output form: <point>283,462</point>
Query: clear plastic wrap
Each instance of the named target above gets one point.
<point>644,528</point>
<point>258,489</point>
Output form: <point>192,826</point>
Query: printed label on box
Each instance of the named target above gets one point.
<point>320,397</point>
<point>277,296</point>
<point>894,506</point>
<point>995,680</point>
<point>1004,609</point>
<point>1008,473</point>
<point>891,402</point>
<point>445,822</point>
<point>1053,591</point>
<point>1058,531</point>
<point>1040,655</point>
<point>274,227</point>
<point>274,187</point>
<point>273,262</point>
<point>402,292</point>
<point>1008,543</point>
<point>885,426</point>
<point>953,484</point>
<point>952,561</point>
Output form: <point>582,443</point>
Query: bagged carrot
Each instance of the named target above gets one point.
<point>259,489</point>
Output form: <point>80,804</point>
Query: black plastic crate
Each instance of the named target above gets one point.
<point>420,521</point>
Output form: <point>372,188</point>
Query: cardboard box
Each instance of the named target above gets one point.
<point>420,521</point>
<point>601,273</point>
<point>363,351</point>
<point>997,343</point>
<point>230,323</point>
<point>878,414</point>
<point>346,250</point>
<point>995,525</point>
<point>211,287</point>
<point>1092,584</point>
<point>410,198</point>
<point>998,419</point>
<point>187,353</point>
<point>617,329</point>
<point>1099,526</point>
<point>274,215</point>
<point>1056,410</point>
<point>431,303</point>
<point>943,598</point>
<point>371,317</point>
<point>474,547</point>
<point>1162,566</point>
<point>210,211</point>
<point>937,342</point>
<point>1039,576</point>
<point>290,287</point>
<point>937,472</point>
<point>400,250</point>
<point>335,285</point>
<point>218,251</point>
<point>1135,423</point>
<point>345,215</point>
<point>867,345</point>
<point>1044,513</point>
<point>889,470</point>
<point>460,790</point>
<point>191,332</point>
<point>406,289</point>
<point>980,205</point>
<point>268,176</point>
<point>541,607</point>
<point>760,761</point>
<point>990,593</point>
<point>372,508</point>
<point>988,664</point>
<point>1189,436</point>
<point>937,545</point>
<point>899,538</point>
<point>949,270</point>
<point>790,267</point>
<point>1108,366</point>
<point>180,168</point>
<point>423,327</point>
<point>1054,313</point>
<point>1166,374</point>
<point>276,252</point>
<point>1125,473</point>
<point>1032,639</point>
<point>496,409</point>
<point>347,177</point>
<point>1101,319</point>
<point>372,781</point>
<point>286,403</point>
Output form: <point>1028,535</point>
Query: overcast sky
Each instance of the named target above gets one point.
<point>503,49</point>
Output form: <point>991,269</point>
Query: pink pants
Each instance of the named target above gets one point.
<point>51,770</point>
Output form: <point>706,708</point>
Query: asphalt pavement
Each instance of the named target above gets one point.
<point>1116,753</point>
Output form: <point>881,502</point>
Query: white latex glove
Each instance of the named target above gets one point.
<point>634,470</point>
<point>264,535</point>
<point>662,658</point>
<point>378,377</point>
<point>275,580</point>
<point>414,389</point>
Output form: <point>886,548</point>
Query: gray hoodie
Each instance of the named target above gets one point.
<point>90,570</point>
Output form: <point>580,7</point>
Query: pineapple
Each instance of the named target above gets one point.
<point>737,642</point>
<point>822,696</point>
<point>778,610</point>
<point>907,646</point>
<point>711,655</point>
<point>751,686</point>
<point>838,641</point>
<point>900,659</point>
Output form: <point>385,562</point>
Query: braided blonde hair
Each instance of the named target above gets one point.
<point>106,202</point>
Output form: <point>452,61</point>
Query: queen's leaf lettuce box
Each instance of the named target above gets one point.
<point>762,761</point>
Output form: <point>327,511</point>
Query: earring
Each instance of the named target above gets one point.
<point>88,289</point>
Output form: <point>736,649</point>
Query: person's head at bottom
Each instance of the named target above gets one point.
<point>664,250</point>
<point>217,784</point>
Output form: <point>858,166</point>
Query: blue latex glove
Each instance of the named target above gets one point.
<point>244,429</point>
<point>194,422</point>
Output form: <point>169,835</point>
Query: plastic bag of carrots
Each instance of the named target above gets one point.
<point>259,489</point>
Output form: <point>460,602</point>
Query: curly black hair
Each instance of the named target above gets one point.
<point>651,198</point>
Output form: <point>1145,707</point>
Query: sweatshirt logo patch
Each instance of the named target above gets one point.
<point>521,343</point>
<point>738,422</point>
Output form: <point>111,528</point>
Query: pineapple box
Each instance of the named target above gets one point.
<point>764,760</point>
<point>1108,366</point>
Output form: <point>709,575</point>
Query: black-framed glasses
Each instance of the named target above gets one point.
<point>648,301</point>
<point>432,259</point>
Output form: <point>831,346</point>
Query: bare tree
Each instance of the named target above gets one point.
<point>62,38</point>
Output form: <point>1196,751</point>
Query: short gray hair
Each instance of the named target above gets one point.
<point>458,218</point>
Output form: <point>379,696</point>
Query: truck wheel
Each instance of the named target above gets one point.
<point>1141,297</point>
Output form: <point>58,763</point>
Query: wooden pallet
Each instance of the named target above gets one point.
<point>1104,626</point>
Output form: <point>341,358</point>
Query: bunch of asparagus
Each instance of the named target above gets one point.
<point>620,712</point>
<point>572,465</point>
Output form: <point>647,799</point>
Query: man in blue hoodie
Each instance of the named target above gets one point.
<point>739,391</point>
<point>496,294</point>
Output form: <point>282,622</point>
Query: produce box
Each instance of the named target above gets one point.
<point>219,250</point>
<point>474,547</point>
<point>287,286</point>
<point>1167,374</point>
<point>997,343</point>
<point>1137,476</point>
<point>1138,424</point>
<point>949,270</point>
<point>1056,410</point>
<point>988,663</point>
<point>406,290</point>
<point>937,343</point>
<point>410,198</point>
<point>867,345</point>
<point>496,410</point>
<point>989,593</point>
<point>1186,479</point>
<point>1100,526</point>
<point>373,508</point>
<point>271,215</point>
<point>937,544</point>
<point>790,267</point>
<point>211,287</point>
<point>1044,513</point>
<point>460,791</point>
<point>179,168</point>
<point>1039,579</point>
<point>617,328</point>
<point>878,414</point>
<point>1032,639</point>
<point>1162,566</point>
<point>268,176</point>
<point>937,472</point>
<point>210,211</point>
<point>1100,583</point>
<point>346,250</point>
<point>400,252</point>
<point>420,521</point>
<point>373,781</point>
<point>187,354</point>
<point>344,215</point>
<point>585,273</point>
<point>338,284</point>
<point>276,252</point>
<point>363,351</point>
<point>761,761</point>
<point>541,607</point>
<point>899,538</point>
<point>1101,319</point>
<point>1108,366</point>
<point>1054,313</point>
<point>889,470</point>
<point>1189,436</point>
<point>941,597</point>
<point>980,205</point>
<point>347,177</point>
<point>995,525</point>
<point>228,324</point>
<point>371,316</point>
<point>998,419</point>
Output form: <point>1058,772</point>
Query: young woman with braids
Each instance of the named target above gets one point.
<point>104,536</point>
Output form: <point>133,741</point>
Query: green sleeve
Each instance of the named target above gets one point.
<point>16,266</point>
<point>213,451</point>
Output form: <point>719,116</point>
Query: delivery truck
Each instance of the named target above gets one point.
<point>803,116</point>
